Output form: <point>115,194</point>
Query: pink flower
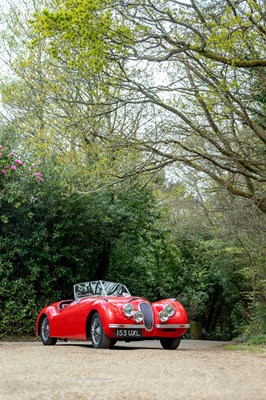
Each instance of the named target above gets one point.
<point>11,154</point>
<point>13,167</point>
<point>3,172</point>
<point>1,147</point>
<point>37,173</point>
<point>40,179</point>
<point>19,162</point>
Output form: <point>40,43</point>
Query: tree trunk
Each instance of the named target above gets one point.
<point>262,205</point>
<point>104,262</point>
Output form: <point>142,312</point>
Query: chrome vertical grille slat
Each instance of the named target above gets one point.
<point>147,311</point>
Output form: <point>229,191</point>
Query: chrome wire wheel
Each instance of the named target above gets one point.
<point>45,329</point>
<point>45,332</point>
<point>98,338</point>
<point>96,329</point>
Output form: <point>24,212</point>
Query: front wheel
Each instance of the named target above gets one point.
<point>112,344</point>
<point>98,337</point>
<point>170,344</point>
<point>45,333</point>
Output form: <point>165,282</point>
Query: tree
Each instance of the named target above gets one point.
<point>218,271</point>
<point>61,109</point>
<point>202,113</point>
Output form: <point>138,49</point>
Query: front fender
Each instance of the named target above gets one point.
<point>109,313</point>
<point>180,316</point>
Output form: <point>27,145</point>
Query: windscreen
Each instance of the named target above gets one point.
<point>100,288</point>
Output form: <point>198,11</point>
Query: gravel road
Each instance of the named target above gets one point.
<point>197,370</point>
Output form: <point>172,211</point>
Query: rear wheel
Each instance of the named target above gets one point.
<point>170,344</point>
<point>98,337</point>
<point>45,333</point>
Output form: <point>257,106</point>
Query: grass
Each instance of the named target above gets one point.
<point>251,348</point>
<point>253,344</point>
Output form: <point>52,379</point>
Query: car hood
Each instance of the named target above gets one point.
<point>124,300</point>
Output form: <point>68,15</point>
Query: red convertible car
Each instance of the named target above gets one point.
<point>105,312</point>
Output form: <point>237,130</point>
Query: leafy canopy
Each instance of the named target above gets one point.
<point>83,32</point>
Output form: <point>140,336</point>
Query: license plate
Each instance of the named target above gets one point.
<point>128,333</point>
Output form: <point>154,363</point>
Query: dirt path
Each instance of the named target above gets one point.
<point>197,370</point>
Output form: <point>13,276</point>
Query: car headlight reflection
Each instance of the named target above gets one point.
<point>128,310</point>
<point>138,316</point>
<point>166,313</point>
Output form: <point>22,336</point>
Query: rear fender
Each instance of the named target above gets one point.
<point>49,312</point>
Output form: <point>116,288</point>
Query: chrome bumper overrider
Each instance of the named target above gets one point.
<point>141,326</point>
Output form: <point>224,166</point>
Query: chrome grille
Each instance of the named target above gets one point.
<point>147,311</point>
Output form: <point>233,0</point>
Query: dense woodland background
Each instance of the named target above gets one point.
<point>133,149</point>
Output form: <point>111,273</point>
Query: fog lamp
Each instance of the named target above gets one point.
<point>138,316</point>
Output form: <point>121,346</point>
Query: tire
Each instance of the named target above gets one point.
<point>113,343</point>
<point>170,344</point>
<point>98,337</point>
<point>45,333</point>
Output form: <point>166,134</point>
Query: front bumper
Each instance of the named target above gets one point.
<point>126,326</point>
<point>141,326</point>
<point>172,326</point>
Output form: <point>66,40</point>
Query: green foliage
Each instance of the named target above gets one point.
<point>52,240</point>
<point>255,332</point>
<point>146,265</point>
<point>82,32</point>
<point>210,285</point>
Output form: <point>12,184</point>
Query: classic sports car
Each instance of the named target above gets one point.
<point>105,312</point>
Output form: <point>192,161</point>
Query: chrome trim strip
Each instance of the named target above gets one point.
<point>127,326</point>
<point>172,326</point>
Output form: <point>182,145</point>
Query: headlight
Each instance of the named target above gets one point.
<point>163,316</point>
<point>138,316</point>
<point>166,313</point>
<point>128,310</point>
<point>169,309</point>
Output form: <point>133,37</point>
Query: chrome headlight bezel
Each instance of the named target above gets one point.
<point>128,310</point>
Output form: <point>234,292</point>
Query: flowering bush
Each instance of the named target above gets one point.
<point>9,164</point>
